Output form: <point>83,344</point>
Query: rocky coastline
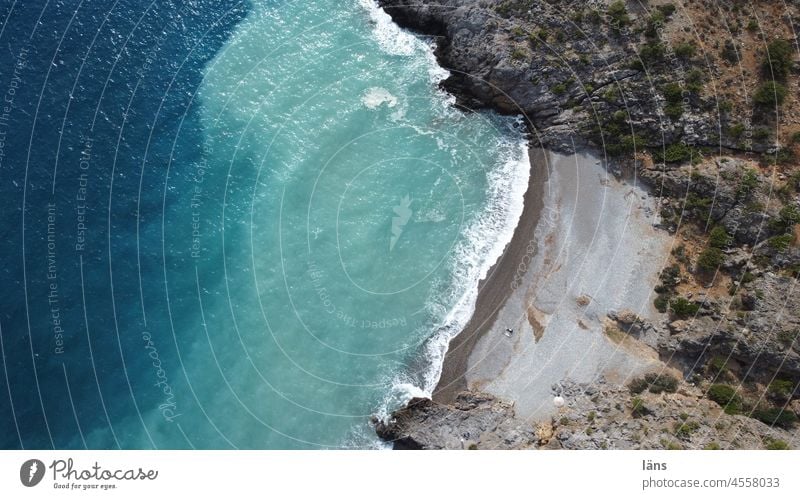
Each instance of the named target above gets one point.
<point>648,87</point>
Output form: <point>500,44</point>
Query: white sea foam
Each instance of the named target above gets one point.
<point>391,38</point>
<point>482,240</point>
<point>482,244</point>
<point>376,96</point>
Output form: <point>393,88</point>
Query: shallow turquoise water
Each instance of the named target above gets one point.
<point>359,211</point>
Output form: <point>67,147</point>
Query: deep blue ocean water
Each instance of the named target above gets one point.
<point>232,224</point>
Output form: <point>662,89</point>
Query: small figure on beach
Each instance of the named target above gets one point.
<point>509,332</point>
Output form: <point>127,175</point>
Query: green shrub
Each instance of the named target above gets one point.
<point>685,50</point>
<point>710,259</point>
<point>684,430</point>
<point>778,59</point>
<point>618,15</point>
<point>654,383</point>
<point>781,389</point>
<point>519,54</point>
<point>762,133</point>
<point>638,408</point>
<point>559,88</point>
<point>780,243</point>
<point>651,53</point>
<point>661,303</point>
<point>678,153</point>
<point>673,111</point>
<point>775,444</point>
<point>694,81</point>
<point>736,130</point>
<point>726,397</point>
<point>729,52</point>
<point>711,446</point>
<point>748,183</point>
<point>788,217</point>
<point>697,206</point>
<point>717,365</point>
<point>673,93</point>
<point>776,416</point>
<point>667,9</point>
<point>770,93</point>
<point>683,308</point>
<point>719,237</point>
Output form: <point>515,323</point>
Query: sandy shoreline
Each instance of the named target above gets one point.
<point>495,289</point>
<point>585,246</point>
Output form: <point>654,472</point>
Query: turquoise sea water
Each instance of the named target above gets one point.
<point>321,221</point>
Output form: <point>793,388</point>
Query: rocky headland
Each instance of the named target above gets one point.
<point>697,102</point>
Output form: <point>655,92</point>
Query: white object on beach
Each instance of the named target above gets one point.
<point>558,401</point>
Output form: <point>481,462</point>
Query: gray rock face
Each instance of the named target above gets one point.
<point>596,416</point>
<point>475,420</point>
<point>567,74</point>
<point>764,342</point>
<point>730,194</point>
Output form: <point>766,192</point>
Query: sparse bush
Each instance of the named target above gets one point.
<point>717,365</point>
<point>747,184</point>
<point>651,53</point>
<point>618,15</point>
<point>736,130</point>
<point>667,9</point>
<point>678,153</point>
<point>761,133</point>
<point>684,430</point>
<point>638,408</point>
<point>780,243</point>
<point>683,308</point>
<point>781,389</point>
<point>778,59</point>
<point>661,303</point>
<point>729,52</point>
<point>519,54</point>
<point>726,397</point>
<point>770,93</point>
<point>673,111</point>
<point>685,50</point>
<point>673,93</point>
<point>775,444</point>
<point>788,217</point>
<point>694,81</point>
<point>719,237</point>
<point>654,383</point>
<point>776,416</point>
<point>710,259</point>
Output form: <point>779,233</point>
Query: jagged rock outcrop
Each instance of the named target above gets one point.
<point>578,74</point>
<point>596,416</point>
<point>475,420</point>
